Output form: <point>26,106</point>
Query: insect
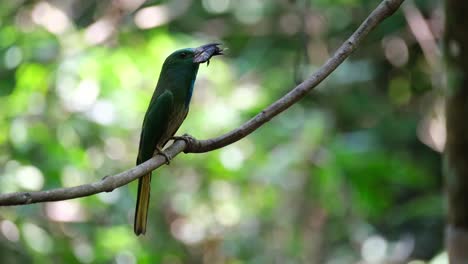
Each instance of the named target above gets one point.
<point>210,51</point>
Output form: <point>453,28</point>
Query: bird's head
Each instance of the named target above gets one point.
<point>194,55</point>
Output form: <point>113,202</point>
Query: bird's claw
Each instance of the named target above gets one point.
<point>185,137</point>
<point>159,151</point>
<point>189,140</point>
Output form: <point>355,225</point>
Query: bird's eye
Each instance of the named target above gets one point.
<point>183,55</point>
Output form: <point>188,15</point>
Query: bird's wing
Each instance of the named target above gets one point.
<point>154,125</point>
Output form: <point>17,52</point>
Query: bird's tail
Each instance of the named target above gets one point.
<point>143,198</point>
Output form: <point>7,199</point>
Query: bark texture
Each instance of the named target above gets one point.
<point>456,149</point>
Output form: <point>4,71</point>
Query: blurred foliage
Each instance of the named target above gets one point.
<point>351,173</point>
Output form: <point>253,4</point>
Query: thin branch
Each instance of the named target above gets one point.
<point>384,10</point>
<point>106,184</point>
<point>109,183</point>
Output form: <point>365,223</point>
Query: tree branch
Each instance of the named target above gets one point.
<point>109,183</point>
<point>384,10</point>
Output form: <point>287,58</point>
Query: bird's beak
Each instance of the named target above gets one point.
<point>205,52</point>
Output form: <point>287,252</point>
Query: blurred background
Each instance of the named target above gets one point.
<point>351,174</point>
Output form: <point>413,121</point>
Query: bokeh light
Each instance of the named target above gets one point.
<point>350,174</point>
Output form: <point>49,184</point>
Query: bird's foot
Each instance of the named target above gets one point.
<point>159,151</point>
<point>185,137</point>
<point>189,140</point>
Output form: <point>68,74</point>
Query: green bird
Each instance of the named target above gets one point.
<point>166,112</point>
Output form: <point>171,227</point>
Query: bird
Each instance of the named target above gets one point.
<point>167,109</point>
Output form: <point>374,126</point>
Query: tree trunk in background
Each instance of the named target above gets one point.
<point>456,149</point>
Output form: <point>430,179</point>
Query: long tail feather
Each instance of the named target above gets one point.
<point>143,198</point>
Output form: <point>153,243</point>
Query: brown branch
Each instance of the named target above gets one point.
<point>384,10</point>
<point>109,183</point>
